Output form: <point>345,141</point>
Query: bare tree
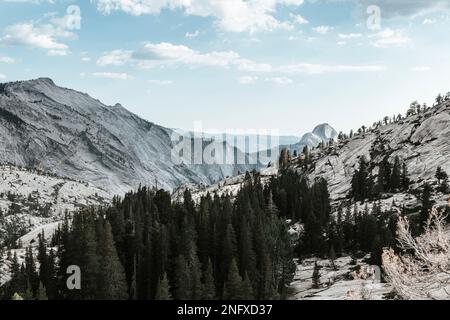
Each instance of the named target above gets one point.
<point>423,270</point>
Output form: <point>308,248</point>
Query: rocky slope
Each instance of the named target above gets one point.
<point>30,199</point>
<point>68,133</point>
<point>422,141</point>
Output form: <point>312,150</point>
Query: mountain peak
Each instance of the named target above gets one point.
<point>321,133</point>
<point>325,132</point>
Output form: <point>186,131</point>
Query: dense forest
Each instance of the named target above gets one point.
<point>144,246</point>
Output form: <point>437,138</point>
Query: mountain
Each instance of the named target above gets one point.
<point>249,143</point>
<point>321,133</point>
<point>421,141</point>
<point>71,134</point>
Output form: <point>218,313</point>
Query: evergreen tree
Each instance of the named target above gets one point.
<point>247,289</point>
<point>163,289</point>
<point>316,276</point>
<point>89,260</point>
<point>42,293</point>
<point>404,178</point>
<point>209,288</point>
<point>182,277</point>
<point>427,204</point>
<point>233,286</point>
<point>112,282</point>
<point>442,177</point>
<point>395,183</point>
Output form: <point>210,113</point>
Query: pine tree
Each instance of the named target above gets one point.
<point>247,289</point>
<point>209,288</point>
<point>89,260</point>
<point>163,289</point>
<point>395,182</point>
<point>362,182</point>
<point>427,204</point>
<point>112,282</point>
<point>41,293</point>
<point>316,276</point>
<point>442,177</point>
<point>284,158</point>
<point>404,178</point>
<point>233,285</point>
<point>182,277</point>
<point>268,291</point>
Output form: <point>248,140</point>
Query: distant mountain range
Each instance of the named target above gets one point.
<point>71,134</point>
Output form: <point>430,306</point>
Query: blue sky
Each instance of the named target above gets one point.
<point>282,65</point>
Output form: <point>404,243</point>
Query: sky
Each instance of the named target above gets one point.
<point>274,65</point>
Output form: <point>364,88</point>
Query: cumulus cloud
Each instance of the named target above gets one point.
<point>153,55</point>
<point>114,58</point>
<point>50,35</point>
<point>230,15</point>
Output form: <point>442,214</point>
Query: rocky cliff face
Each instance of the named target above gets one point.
<point>70,134</point>
<point>422,141</point>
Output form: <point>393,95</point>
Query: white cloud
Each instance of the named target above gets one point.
<point>161,82</point>
<point>406,8</point>
<point>191,35</point>
<point>252,66</point>
<point>6,59</point>
<point>112,75</point>
<point>114,58</point>
<point>429,21</point>
<point>247,79</point>
<point>306,68</point>
<point>298,19</point>
<point>50,35</point>
<point>230,15</point>
<point>323,29</point>
<point>421,69</point>
<point>349,35</point>
<point>2,76</point>
<point>390,38</point>
<point>154,55</point>
<point>281,81</point>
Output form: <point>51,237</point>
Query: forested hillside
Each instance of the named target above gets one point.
<point>146,247</point>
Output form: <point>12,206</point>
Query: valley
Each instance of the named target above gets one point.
<point>65,154</point>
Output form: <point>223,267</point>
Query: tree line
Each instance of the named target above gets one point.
<point>144,246</point>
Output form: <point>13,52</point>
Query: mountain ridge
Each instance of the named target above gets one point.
<point>69,133</point>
